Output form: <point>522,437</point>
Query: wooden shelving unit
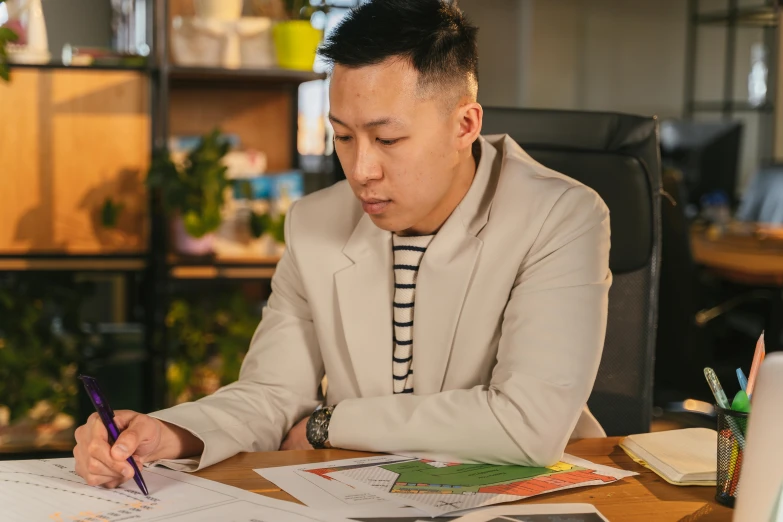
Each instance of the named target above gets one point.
<point>73,263</point>
<point>233,77</point>
<point>89,132</point>
<point>250,268</point>
<point>61,66</point>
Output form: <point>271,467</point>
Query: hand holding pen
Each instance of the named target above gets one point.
<point>106,467</point>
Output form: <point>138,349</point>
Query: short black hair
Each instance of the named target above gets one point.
<point>434,35</point>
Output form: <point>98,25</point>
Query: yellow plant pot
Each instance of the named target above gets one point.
<point>296,42</point>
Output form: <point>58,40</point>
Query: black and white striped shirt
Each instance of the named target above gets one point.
<point>408,252</point>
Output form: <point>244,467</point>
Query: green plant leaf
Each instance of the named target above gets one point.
<point>37,361</point>
<point>195,189</point>
<point>277,229</point>
<point>194,225</point>
<point>6,35</point>
<point>259,223</point>
<point>110,213</point>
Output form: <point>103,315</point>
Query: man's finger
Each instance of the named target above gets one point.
<point>101,451</point>
<point>113,483</point>
<point>126,444</point>
<point>96,467</point>
<point>123,418</point>
<point>99,480</point>
<point>141,430</point>
<point>96,429</point>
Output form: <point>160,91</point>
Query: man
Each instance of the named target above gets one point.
<point>453,290</point>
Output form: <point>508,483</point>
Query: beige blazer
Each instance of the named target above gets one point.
<point>509,325</point>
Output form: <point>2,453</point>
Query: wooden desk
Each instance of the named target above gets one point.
<point>644,498</point>
<point>751,255</point>
<point>749,258</point>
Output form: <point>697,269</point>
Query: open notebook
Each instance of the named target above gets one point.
<point>682,457</point>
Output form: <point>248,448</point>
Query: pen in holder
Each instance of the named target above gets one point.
<point>731,447</point>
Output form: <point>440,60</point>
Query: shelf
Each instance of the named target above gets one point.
<point>61,66</point>
<point>72,263</point>
<point>761,16</point>
<point>232,77</point>
<point>203,75</point>
<point>239,268</point>
<point>28,451</point>
<point>737,106</point>
<point>34,440</point>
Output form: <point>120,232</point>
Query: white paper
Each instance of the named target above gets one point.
<point>308,484</point>
<point>493,485</point>
<point>50,490</point>
<point>536,513</point>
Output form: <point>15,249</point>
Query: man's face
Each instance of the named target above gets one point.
<point>399,149</point>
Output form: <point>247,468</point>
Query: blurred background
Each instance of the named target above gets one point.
<point>149,151</point>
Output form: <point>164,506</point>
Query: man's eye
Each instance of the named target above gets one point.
<point>342,138</point>
<point>387,142</point>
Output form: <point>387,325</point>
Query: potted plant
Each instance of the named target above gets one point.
<point>192,192</point>
<point>270,230</point>
<point>6,36</point>
<point>209,338</point>
<point>42,345</point>
<point>296,40</point>
<point>265,219</point>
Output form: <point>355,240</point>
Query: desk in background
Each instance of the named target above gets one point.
<point>750,255</point>
<point>644,498</point>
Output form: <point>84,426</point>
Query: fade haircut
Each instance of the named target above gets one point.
<point>434,36</point>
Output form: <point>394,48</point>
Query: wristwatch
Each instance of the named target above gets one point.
<point>318,428</point>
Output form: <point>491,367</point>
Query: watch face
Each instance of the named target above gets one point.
<point>315,429</point>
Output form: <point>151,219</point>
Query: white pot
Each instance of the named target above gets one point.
<point>189,245</point>
<point>219,9</point>
<point>36,51</point>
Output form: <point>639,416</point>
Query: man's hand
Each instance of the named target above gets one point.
<point>143,437</point>
<point>297,437</point>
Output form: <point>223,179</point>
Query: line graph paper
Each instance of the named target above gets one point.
<point>50,491</point>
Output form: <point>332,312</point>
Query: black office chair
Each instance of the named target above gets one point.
<point>617,156</point>
<point>683,344</point>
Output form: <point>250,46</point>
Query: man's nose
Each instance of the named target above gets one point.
<point>366,167</point>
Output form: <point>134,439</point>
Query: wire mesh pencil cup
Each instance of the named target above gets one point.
<point>731,448</point>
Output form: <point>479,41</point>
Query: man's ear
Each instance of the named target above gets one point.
<point>470,117</point>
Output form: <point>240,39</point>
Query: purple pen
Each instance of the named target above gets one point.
<point>107,416</point>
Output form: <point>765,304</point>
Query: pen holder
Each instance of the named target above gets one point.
<point>731,447</point>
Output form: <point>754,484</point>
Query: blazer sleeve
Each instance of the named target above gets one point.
<point>550,347</point>
<point>278,383</point>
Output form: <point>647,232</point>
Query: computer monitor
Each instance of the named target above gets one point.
<point>707,154</point>
<point>762,201</point>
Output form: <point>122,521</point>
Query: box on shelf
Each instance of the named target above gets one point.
<point>257,202</point>
<point>232,44</point>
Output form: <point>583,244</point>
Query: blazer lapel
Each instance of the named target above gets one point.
<point>365,293</point>
<point>445,275</point>
<point>441,287</point>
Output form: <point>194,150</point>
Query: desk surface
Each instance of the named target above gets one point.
<point>754,258</point>
<point>644,498</point>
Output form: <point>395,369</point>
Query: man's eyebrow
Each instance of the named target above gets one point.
<point>332,118</point>
<point>370,124</point>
